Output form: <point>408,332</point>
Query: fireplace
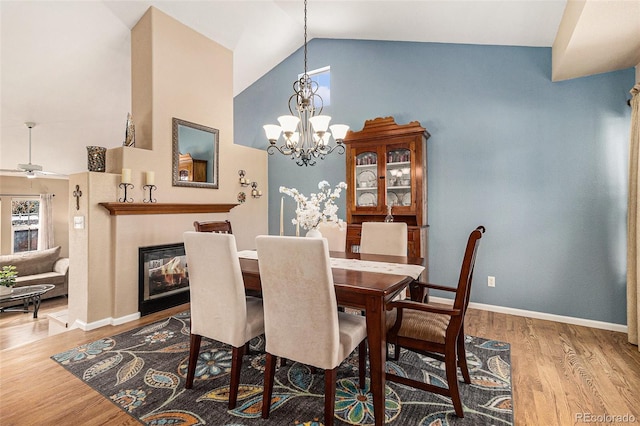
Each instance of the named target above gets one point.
<point>163,278</point>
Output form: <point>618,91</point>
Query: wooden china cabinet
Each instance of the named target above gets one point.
<point>387,166</point>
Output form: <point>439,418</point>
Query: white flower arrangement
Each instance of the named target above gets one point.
<point>318,207</point>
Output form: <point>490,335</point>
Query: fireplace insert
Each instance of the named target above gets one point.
<point>163,277</point>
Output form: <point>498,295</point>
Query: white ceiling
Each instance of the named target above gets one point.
<point>66,65</point>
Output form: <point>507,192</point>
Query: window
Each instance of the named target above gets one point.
<point>322,76</point>
<point>25,223</point>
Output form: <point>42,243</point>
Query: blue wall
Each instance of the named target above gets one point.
<point>542,165</point>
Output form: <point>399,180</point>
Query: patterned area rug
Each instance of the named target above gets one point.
<point>143,372</point>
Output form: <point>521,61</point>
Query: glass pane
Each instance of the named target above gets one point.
<point>399,177</point>
<point>25,240</point>
<point>366,179</point>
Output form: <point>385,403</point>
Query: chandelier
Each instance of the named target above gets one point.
<point>304,132</point>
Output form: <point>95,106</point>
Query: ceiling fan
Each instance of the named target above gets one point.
<point>31,170</point>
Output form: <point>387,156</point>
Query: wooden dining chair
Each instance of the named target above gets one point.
<point>437,330</point>
<point>302,322</point>
<point>336,235</point>
<point>389,238</point>
<point>219,308</point>
<point>219,226</point>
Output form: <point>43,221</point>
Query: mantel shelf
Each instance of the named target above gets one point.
<point>117,209</point>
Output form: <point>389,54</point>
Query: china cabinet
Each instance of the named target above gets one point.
<point>387,166</point>
<point>191,169</point>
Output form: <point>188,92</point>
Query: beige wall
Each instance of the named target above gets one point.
<point>176,72</point>
<point>10,185</point>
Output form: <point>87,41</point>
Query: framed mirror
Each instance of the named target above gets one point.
<point>195,155</point>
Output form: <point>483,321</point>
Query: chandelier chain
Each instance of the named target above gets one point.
<point>305,37</point>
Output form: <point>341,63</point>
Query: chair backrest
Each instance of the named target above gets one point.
<point>335,233</point>
<point>220,226</point>
<point>218,304</point>
<point>300,309</point>
<point>389,238</point>
<point>466,270</point>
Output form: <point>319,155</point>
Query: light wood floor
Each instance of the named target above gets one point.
<point>559,371</point>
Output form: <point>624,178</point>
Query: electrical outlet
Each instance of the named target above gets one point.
<point>491,281</point>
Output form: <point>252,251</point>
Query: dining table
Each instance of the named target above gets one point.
<point>367,288</point>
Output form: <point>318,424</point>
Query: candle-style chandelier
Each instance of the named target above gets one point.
<point>305,131</point>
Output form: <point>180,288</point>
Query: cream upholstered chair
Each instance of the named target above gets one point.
<point>302,322</point>
<point>388,238</point>
<point>437,330</point>
<point>335,233</point>
<point>219,308</point>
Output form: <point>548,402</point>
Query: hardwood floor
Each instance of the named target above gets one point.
<point>19,328</point>
<point>562,374</point>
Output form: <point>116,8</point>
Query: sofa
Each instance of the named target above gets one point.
<point>40,267</point>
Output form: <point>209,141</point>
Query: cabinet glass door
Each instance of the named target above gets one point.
<point>398,169</point>
<point>366,179</point>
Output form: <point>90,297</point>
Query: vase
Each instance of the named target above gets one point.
<point>314,233</point>
<point>4,290</point>
<point>96,158</point>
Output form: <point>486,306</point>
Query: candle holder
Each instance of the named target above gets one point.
<point>151,188</point>
<point>243,180</point>
<point>255,193</point>
<point>125,199</point>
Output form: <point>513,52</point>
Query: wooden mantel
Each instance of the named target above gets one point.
<point>117,209</point>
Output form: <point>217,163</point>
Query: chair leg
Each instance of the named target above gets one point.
<point>329,395</point>
<point>451,369</point>
<point>362,363</point>
<point>194,351</point>
<point>236,367</point>
<point>269,372</point>
<point>462,358</point>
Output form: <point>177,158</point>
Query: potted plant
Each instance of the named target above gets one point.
<point>8,276</point>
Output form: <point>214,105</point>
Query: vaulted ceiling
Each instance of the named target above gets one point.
<point>66,65</point>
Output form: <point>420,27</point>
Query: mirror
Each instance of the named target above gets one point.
<point>195,155</point>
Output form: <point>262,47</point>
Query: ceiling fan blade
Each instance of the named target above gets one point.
<point>11,171</point>
<point>42,172</point>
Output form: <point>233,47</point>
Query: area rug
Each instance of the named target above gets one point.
<point>143,372</point>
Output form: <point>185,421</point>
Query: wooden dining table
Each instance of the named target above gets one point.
<point>367,291</point>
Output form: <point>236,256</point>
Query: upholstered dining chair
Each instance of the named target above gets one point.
<point>217,226</point>
<point>388,238</point>
<point>336,235</point>
<point>437,330</point>
<point>219,308</point>
<point>302,322</point>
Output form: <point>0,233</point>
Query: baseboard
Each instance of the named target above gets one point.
<point>106,321</point>
<point>542,315</point>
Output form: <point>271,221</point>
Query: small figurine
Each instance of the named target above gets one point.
<point>130,132</point>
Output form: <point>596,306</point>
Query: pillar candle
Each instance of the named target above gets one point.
<point>282,216</point>
<point>150,178</point>
<point>126,176</point>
